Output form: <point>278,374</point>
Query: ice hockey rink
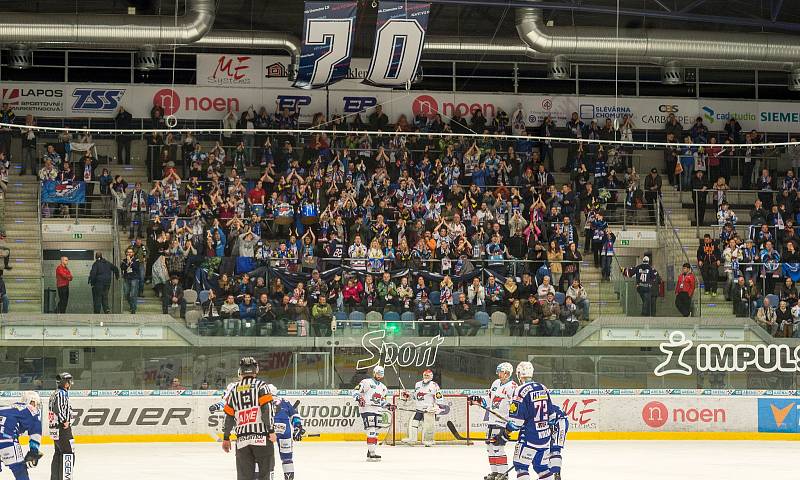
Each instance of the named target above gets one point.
<point>596,460</point>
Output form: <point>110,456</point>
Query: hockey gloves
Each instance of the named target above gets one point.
<point>391,407</point>
<point>405,395</point>
<point>32,458</point>
<point>215,408</point>
<point>297,434</point>
<point>477,400</point>
<point>362,402</point>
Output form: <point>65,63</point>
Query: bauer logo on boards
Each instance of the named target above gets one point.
<point>408,354</point>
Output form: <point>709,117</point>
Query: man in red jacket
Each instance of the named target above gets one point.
<point>63,277</point>
<point>684,289</point>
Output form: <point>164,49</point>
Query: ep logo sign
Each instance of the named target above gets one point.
<point>358,104</point>
<point>407,354</point>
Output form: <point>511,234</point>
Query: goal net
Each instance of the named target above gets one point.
<point>453,408</point>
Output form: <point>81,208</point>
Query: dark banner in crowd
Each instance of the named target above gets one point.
<point>56,192</point>
<point>399,38</point>
<point>327,43</point>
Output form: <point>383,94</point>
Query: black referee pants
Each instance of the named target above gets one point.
<point>63,464</point>
<point>248,457</point>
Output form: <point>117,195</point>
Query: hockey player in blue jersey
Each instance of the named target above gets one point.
<point>289,428</point>
<point>531,413</point>
<point>559,425</point>
<point>15,420</point>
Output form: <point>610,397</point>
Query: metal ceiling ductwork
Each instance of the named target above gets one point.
<point>647,44</point>
<point>119,30</point>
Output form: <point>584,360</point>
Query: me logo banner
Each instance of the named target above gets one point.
<point>725,357</point>
<point>327,43</point>
<point>231,70</point>
<point>399,39</point>
<point>779,415</point>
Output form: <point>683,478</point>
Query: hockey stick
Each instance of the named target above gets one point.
<point>451,426</point>
<point>497,415</point>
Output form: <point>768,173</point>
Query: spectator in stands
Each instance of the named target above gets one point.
<point>172,296</point>
<point>673,126</point>
<point>29,156</point>
<point>764,185</point>
<point>494,295</point>
<point>741,296</point>
<point>708,259</point>
<point>63,279</point>
<point>580,299</point>
<point>699,131</point>
<point>684,290</point>
<point>48,172</point>
<point>700,196</point>
<point>378,121</point>
<point>136,202</point>
<point>569,318</point>
<point>6,116</point>
<point>322,317</point>
<point>130,268</point>
<point>772,266</point>
<point>100,277</point>
<point>248,312</point>
<point>551,311</point>
<point>766,317</point>
<point>572,265</point>
<point>3,294</point>
<point>123,120</point>
<point>464,313</point>
<point>476,294</point>
<point>652,193</point>
<point>229,312</point>
<point>784,319</point>
<point>544,288</point>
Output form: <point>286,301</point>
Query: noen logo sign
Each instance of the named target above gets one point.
<point>656,414</point>
<point>170,101</point>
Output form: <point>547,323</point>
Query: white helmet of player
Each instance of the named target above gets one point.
<point>273,390</point>
<point>31,398</point>
<point>378,372</point>
<point>524,371</point>
<point>505,368</point>
<point>427,375</point>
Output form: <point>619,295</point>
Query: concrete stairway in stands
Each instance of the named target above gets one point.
<point>24,280</point>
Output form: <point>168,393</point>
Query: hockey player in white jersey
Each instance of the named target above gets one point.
<point>499,398</point>
<point>371,395</point>
<point>426,393</point>
<point>219,405</point>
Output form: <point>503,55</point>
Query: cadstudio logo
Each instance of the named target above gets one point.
<point>725,358</point>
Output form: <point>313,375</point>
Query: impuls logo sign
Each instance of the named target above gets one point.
<point>407,354</point>
<point>726,357</point>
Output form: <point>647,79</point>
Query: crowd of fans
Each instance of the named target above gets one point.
<point>412,218</point>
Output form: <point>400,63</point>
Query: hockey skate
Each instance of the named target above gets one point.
<point>429,443</point>
<point>409,441</point>
<point>373,457</point>
<point>557,476</point>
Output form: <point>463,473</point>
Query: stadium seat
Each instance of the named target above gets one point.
<point>202,297</point>
<point>341,319</point>
<point>483,317</point>
<point>190,296</point>
<point>408,320</point>
<point>374,320</point>
<point>192,318</point>
<point>560,298</point>
<point>499,321</point>
<point>357,319</point>
<point>435,297</point>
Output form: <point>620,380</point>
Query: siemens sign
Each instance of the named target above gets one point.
<point>780,117</point>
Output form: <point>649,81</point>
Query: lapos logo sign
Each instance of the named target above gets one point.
<point>725,358</point>
<point>408,354</point>
<point>655,415</point>
<point>231,70</point>
<point>170,101</point>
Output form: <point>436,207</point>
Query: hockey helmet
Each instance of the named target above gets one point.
<point>31,397</point>
<point>646,260</point>
<point>427,375</point>
<point>273,390</point>
<point>64,378</point>
<point>524,371</point>
<point>378,372</point>
<point>248,366</point>
<point>505,367</point>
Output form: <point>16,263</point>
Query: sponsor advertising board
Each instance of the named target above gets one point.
<point>237,82</point>
<point>124,415</point>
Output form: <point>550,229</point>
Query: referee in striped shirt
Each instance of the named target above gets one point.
<point>249,412</point>
<point>60,422</point>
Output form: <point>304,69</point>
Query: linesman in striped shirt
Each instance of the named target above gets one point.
<point>249,413</point>
<point>59,419</point>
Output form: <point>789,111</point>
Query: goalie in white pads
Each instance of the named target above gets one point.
<point>499,399</point>
<point>426,393</point>
<point>371,394</point>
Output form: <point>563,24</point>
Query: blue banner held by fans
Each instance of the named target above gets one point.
<point>57,192</point>
<point>327,43</point>
<point>399,39</point>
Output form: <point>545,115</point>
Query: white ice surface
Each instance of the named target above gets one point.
<point>583,460</point>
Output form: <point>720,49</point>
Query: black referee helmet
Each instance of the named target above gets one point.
<point>64,378</point>
<point>248,366</point>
